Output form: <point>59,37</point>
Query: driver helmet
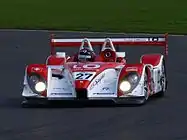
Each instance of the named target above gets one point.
<point>86,55</point>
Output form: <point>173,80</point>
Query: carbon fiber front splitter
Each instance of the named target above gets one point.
<point>26,102</point>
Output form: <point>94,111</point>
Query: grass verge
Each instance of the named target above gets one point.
<point>158,16</point>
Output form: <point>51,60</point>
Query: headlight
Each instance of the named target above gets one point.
<point>130,82</point>
<point>40,86</point>
<point>36,83</point>
<point>125,86</point>
<point>133,78</point>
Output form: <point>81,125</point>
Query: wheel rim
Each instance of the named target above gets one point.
<point>163,79</point>
<point>145,89</point>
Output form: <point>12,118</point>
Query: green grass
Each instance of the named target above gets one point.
<point>150,16</point>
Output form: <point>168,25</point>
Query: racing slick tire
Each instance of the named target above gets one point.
<point>145,89</point>
<point>32,102</point>
<point>163,81</point>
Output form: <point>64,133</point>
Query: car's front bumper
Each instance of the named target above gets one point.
<point>45,101</point>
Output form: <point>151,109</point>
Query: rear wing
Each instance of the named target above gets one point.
<point>139,41</point>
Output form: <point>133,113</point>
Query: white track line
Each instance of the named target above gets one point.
<point>88,32</point>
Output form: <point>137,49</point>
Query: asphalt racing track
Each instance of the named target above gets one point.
<point>160,119</point>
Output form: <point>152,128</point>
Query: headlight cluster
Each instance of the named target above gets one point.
<point>36,83</point>
<point>130,82</point>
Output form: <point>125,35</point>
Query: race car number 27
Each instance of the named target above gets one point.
<point>83,76</point>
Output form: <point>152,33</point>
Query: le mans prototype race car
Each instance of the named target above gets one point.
<point>103,76</point>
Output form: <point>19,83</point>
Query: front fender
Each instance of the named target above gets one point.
<point>138,68</point>
<point>37,69</point>
<point>40,69</point>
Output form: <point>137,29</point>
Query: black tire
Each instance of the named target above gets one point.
<point>31,103</point>
<point>163,81</point>
<point>146,88</point>
<point>25,103</point>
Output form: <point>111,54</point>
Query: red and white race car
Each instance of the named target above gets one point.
<point>103,76</point>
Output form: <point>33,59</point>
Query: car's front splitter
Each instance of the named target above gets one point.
<point>46,101</point>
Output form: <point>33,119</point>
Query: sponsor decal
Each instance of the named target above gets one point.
<point>36,69</point>
<point>64,89</point>
<point>105,89</point>
<point>57,73</point>
<point>61,94</point>
<point>103,93</point>
<point>119,67</point>
<point>76,67</point>
<point>131,69</point>
<point>87,66</point>
<point>97,81</point>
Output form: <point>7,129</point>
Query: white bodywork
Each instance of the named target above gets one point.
<point>104,85</point>
<point>60,87</point>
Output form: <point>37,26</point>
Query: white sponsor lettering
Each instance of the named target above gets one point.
<point>97,81</point>
<point>60,94</point>
<point>103,93</point>
<point>87,66</point>
<point>131,69</point>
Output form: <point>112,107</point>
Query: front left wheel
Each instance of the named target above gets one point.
<point>32,102</point>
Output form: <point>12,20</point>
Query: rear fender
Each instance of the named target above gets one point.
<point>154,63</point>
<point>151,59</point>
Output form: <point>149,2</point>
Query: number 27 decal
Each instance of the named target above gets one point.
<point>83,76</point>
